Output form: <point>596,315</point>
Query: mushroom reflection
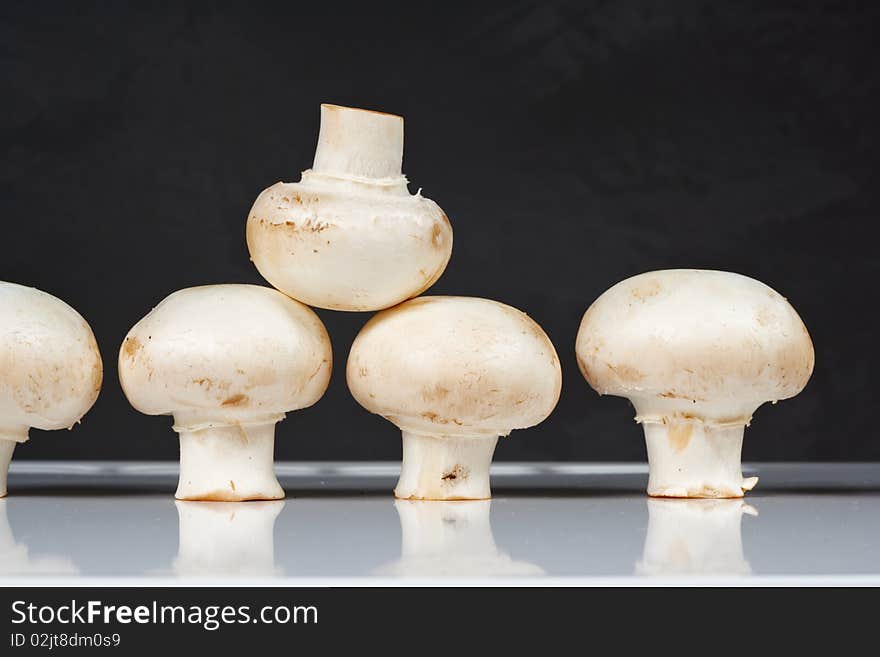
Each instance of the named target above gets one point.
<point>451,539</point>
<point>15,558</point>
<point>694,537</point>
<point>227,538</point>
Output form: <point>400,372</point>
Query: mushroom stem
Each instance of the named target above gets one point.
<point>445,467</point>
<point>356,143</point>
<point>688,458</point>
<point>228,464</point>
<point>6,448</point>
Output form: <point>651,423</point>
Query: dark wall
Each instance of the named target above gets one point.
<point>571,144</point>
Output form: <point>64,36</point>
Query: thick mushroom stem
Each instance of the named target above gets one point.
<point>445,467</point>
<point>356,143</point>
<point>694,537</point>
<point>7,447</point>
<point>690,458</point>
<point>228,463</point>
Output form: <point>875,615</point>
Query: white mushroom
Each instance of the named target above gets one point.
<point>696,352</point>
<point>454,373</point>
<point>50,367</point>
<point>349,235</point>
<point>695,537</point>
<point>227,361</point>
<point>451,539</point>
<point>227,539</point>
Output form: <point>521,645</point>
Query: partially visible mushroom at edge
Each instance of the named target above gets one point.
<point>50,367</point>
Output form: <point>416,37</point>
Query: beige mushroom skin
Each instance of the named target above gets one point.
<point>227,361</point>
<point>50,367</point>
<point>454,373</point>
<point>349,235</point>
<point>696,352</point>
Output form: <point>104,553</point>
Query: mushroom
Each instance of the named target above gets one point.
<point>451,539</point>
<point>227,361</point>
<point>50,367</point>
<point>227,539</point>
<point>696,352</point>
<point>454,373</point>
<point>695,537</point>
<point>349,235</point>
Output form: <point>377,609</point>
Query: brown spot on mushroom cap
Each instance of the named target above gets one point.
<point>131,346</point>
<point>435,392</point>
<point>437,236</point>
<point>646,289</point>
<point>291,227</point>
<point>764,316</point>
<point>437,419</point>
<point>235,400</point>
<point>626,374</point>
<point>671,394</point>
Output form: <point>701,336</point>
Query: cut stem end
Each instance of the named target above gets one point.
<point>359,143</point>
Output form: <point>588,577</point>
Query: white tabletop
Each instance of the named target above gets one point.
<point>117,523</point>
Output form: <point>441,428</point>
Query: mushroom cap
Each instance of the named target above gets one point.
<point>225,354</point>
<point>455,366</point>
<point>711,344</point>
<point>50,366</point>
<point>345,246</point>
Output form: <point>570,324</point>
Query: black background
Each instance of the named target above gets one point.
<point>571,144</point>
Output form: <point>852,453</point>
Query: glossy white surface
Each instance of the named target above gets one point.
<point>580,523</point>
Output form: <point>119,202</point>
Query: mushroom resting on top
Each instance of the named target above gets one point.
<point>696,352</point>
<point>454,373</point>
<point>227,361</point>
<point>50,367</point>
<point>349,235</point>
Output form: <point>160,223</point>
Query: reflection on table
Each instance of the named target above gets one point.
<point>451,539</point>
<point>695,537</point>
<point>351,536</point>
<point>16,559</point>
<point>231,539</point>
